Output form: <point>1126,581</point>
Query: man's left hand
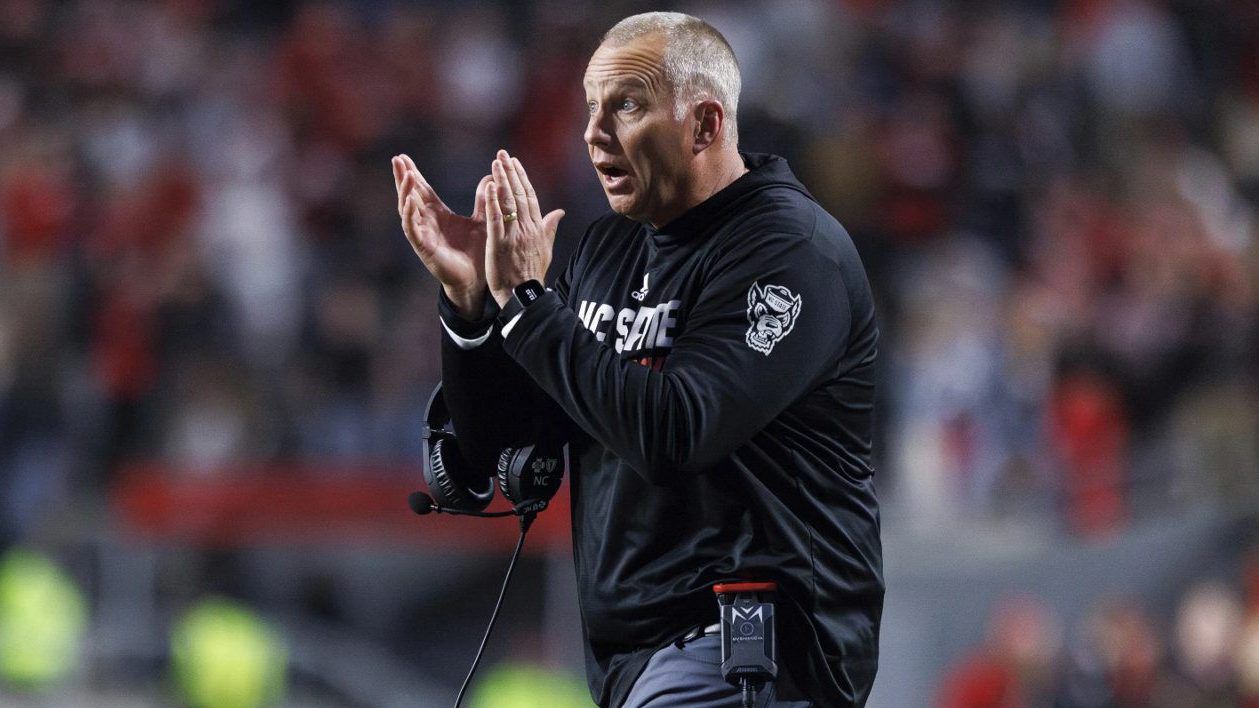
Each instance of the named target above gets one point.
<point>517,249</point>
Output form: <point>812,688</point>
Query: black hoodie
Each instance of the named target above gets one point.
<point>716,379</point>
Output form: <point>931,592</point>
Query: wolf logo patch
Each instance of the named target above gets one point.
<point>772,312</point>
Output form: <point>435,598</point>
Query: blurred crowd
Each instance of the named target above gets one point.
<point>1118,655</point>
<point>200,260</point>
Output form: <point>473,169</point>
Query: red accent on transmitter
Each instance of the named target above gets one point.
<point>722,588</point>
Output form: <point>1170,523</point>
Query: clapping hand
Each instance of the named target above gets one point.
<point>520,238</point>
<point>451,246</point>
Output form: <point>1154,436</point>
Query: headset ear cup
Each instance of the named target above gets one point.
<point>506,460</point>
<point>445,463</point>
<point>532,473</point>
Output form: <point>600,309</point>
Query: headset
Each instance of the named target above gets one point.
<point>528,476</point>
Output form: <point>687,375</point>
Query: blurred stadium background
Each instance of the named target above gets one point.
<point>216,345</point>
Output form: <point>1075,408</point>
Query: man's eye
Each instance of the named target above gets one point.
<point>629,104</point>
<point>592,106</point>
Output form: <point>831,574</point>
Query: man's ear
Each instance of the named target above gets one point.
<point>710,118</point>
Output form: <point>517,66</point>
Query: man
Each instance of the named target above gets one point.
<point>709,353</point>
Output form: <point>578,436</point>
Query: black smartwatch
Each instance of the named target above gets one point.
<point>523,296</point>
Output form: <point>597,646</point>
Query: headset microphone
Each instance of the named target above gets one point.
<point>422,504</point>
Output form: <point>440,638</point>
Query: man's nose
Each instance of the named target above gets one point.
<point>597,133</point>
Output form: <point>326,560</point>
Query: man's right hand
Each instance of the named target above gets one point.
<point>451,246</point>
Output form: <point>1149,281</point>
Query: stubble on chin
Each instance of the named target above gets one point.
<point>624,207</point>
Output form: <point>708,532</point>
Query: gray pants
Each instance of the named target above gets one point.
<point>690,676</point>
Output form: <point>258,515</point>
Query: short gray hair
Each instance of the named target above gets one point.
<point>698,61</point>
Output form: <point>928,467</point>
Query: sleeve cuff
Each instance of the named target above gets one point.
<point>509,325</point>
<point>467,334</point>
<point>515,332</point>
<point>463,342</point>
<point>507,328</point>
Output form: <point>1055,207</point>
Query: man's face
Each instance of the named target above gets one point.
<point>639,149</point>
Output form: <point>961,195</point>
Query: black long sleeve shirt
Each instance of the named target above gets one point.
<point>716,379</point>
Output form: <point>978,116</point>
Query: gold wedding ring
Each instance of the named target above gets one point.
<point>509,218</point>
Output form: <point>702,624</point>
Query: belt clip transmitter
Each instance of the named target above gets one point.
<point>749,647</point>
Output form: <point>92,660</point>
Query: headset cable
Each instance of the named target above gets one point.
<point>526,520</point>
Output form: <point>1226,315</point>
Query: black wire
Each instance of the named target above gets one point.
<point>525,522</point>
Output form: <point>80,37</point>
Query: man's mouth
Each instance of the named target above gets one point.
<point>614,178</point>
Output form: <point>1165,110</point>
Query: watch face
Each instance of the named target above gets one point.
<point>529,291</point>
